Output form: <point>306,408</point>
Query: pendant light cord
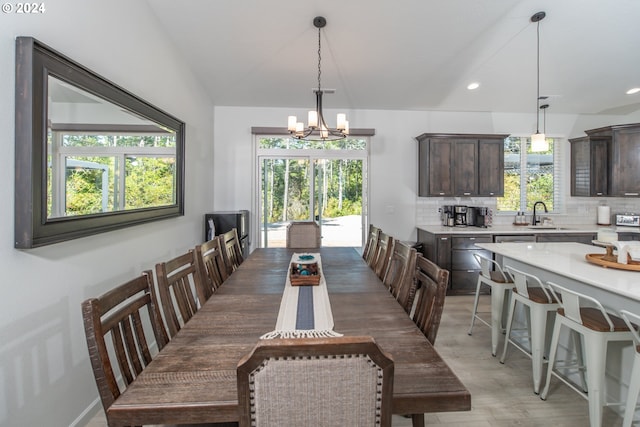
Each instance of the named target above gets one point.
<point>319,59</point>
<point>538,79</point>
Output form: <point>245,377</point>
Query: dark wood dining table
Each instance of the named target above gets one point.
<point>193,379</point>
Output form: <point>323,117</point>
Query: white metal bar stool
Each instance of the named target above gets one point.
<point>540,302</point>
<point>632,320</point>
<point>597,327</point>
<point>492,275</point>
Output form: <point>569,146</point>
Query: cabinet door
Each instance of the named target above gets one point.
<point>625,172</point>
<point>465,167</point>
<point>435,160</point>
<point>599,184</point>
<point>580,167</point>
<point>491,167</point>
<point>585,238</point>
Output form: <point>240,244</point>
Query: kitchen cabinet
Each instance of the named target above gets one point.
<point>460,165</point>
<point>589,166</point>
<point>628,236</point>
<point>464,267</point>
<point>606,162</point>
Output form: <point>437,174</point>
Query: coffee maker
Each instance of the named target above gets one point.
<point>446,216</point>
<point>483,217</point>
<point>460,215</point>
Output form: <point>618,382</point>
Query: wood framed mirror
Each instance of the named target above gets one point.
<point>91,157</point>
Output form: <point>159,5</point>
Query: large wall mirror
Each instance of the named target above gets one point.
<point>90,156</point>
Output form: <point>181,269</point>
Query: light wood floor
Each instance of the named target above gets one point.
<point>501,395</point>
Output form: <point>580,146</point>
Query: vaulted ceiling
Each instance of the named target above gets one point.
<point>412,54</point>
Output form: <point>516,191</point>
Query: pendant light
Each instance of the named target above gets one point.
<point>317,129</point>
<point>538,140</point>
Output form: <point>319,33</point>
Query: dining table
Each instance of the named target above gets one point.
<point>193,378</point>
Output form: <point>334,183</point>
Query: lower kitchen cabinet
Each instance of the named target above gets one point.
<point>464,267</point>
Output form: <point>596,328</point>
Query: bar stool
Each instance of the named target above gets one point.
<point>634,382</point>
<point>540,302</point>
<point>597,327</point>
<point>492,275</point>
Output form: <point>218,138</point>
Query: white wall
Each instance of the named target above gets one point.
<point>45,376</point>
<point>394,205</point>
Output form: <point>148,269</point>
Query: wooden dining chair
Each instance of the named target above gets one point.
<point>232,250</point>
<point>432,282</point>
<point>342,381</point>
<point>369,251</point>
<point>180,289</point>
<point>384,249</point>
<point>120,346</point>
<point>303,234</point>
<point>399,275</point>
<point>211,265</point>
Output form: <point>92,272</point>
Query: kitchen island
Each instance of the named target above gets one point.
<point>452,248</point>
<point>564,263</point>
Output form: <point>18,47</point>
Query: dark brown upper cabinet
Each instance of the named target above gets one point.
<point>90,156</point>
<point>606,162</point>
<point>460,165</point>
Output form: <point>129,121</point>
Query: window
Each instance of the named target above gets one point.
<point>529,177</point>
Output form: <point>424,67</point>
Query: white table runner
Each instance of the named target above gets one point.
<point>305,311</point>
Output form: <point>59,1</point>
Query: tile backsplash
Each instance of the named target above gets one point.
<point>577,210</point>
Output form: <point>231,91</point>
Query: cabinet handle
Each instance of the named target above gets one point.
<point>598,194</point>
<point>441,193</point>
<point>444,238</point>
<point>630,194</point>
<point>471,271</point>
<point>491,193</point>
<point>472,238</point>
<point>466,194</point>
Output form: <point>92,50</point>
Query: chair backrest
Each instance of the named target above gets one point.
<point>369,251</point>
<point>232,250</point>
<point>343,381</point>
<point>524,281</point>
<point>213,270</point>
<point>384,249</point>
<point>573,304</point>
<point>179,285</point>
<point>118,317</point>
<point>432,282</point>
<point>491,269</point>
<point>632,320</point>
<point>303,234</point>
<point>399,275</point>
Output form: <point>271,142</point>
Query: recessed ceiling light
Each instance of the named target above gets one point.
<point>634,90</point>
<point>474,85</point>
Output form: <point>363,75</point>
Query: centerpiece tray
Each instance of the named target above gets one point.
<point>304,274</point>
<point>599,259</point>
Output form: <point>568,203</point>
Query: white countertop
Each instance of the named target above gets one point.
<point>513,229</point>
<point>568,259</point>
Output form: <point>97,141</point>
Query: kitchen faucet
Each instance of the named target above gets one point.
<point>535,220</point>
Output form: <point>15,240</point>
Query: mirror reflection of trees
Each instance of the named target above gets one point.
<point>127,172</point>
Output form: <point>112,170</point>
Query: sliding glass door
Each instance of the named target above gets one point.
<point>323,185</point>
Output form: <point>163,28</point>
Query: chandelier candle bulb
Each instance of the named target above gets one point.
<point>313,119</point>
<point>291,124</point>
<point>341,121</point>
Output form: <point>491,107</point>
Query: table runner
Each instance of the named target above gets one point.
<point>305,311</point>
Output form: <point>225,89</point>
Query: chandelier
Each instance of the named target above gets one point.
<point>538,140</point>
<point>317,129</point>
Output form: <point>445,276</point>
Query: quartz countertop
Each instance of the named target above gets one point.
<point>518,229</point>
<point>568,259</point>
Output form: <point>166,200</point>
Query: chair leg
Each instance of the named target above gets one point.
<point>555,337</point>
<point>634,391</point>
<point>577,344</point>
<point>497,303</point>
<point>538,330</point>
<point>475,305</point>
<point>512,307</point>
<point>596,354</point>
